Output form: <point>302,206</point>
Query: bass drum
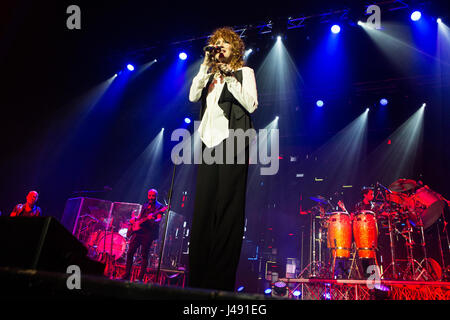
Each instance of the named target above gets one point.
<point>339,235</point>
<point>112,243</point>
<point>365,231</point>
<point>428,205</point>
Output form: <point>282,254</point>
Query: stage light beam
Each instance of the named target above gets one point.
<point>130,67</point>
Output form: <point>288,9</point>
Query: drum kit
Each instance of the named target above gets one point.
<point>403,209</point>
<point>102,242</point>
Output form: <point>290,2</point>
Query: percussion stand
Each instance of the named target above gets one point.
<point>446,233</point>
<point>320,264</point>
<point>112,259</point>
<point>313,250</point>
<point>354,263</point>
<point>426,268</point>
<point>409,251</point>
<point>391,240</point>
<point>440,248</point>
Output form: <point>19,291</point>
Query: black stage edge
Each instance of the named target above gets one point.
<point>36,289</point>
<point>28,283</point>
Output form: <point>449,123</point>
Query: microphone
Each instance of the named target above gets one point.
<point>210,48</point>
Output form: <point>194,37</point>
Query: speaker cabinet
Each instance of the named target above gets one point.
<point>42,243</point>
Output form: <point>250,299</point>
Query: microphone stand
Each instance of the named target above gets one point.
<point>163,240</point>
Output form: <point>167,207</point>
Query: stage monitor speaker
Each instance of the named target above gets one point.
<point>42,243</point>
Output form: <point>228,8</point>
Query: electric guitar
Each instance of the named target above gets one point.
<point>136,224</point>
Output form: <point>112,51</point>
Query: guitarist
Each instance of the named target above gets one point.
<point>144,229</point>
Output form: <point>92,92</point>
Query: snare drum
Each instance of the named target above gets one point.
<point>339,236</point>
<point>365,231</point>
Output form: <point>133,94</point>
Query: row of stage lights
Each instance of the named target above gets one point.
<point>319,103</point>
<point>415,16</point>
<point>383,102</point>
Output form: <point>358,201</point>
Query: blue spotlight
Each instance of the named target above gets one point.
<point>415,16</point>
<point>182,56</point>
<point>240,289</point>
<point>268,291</point>
<point>187,120</point>
<point>130,67</point>
<point>319,103</point>
<point>383,102</point>
<point>296,293</point>
<point>335,29</point>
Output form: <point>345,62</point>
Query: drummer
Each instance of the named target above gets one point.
<point>367,201</point>
<point>368,204</point>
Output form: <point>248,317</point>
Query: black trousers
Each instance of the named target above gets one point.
<point>145,241</point>
<point>218,224</point>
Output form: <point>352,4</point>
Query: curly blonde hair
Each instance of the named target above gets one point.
<point>238,47</point>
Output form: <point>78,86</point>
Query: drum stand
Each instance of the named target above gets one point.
<point>444,266</point>
<point>314,266</point>
<point>409,272</point>
<point>391,240</point>
<point>427,270</point>
<point>354,264</point>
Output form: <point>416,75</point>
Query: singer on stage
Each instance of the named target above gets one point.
<point>228,95</point>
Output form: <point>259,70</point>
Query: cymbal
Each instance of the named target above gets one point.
<point>402,185</point>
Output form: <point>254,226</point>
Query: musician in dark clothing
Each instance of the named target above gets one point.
<point>144,229</point>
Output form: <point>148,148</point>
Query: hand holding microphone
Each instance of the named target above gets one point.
<point>209,49</point>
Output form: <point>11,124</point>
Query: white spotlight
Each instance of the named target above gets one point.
<point>424,105</point>
<point>279,38</point>
<point>360,23</point>
<point>439,20</point>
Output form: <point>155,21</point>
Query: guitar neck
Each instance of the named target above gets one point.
<point>150,215</point>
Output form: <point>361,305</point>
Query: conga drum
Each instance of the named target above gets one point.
<point>365,232</point>
<point>339,235</point>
